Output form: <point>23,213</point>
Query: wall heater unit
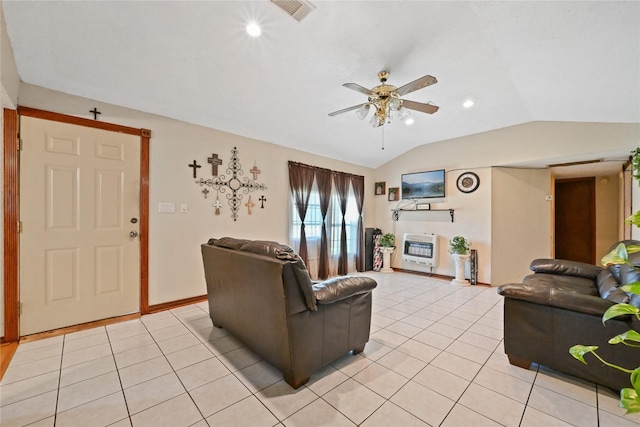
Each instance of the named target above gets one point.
<point>421,249</point>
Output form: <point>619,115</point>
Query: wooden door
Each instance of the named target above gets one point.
<point>575,219</point>
<point>79,208</point>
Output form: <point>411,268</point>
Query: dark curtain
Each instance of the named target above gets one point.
<point>342,188</point>
<point>358,190</point>
<point>323,181</point>
<point>300,181</point>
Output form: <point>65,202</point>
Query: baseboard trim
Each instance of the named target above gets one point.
<point>77,328</point>
<point>437,276</point>
<point>175,304</point>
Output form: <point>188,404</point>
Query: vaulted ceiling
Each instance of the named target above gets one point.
<point>192,60</point>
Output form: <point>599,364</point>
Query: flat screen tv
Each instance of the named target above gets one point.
<point>423,185</point>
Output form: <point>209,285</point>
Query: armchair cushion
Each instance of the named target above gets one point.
<point>339,288</point>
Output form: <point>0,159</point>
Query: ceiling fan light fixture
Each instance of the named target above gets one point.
<point>362,112</point>
<point>376,120</point>
<point>403,113</point>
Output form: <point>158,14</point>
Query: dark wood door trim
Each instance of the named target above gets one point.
<point>11,217</point>
<point>12,207</point>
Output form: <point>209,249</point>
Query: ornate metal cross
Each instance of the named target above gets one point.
<point>195,166</point>
<point>215,162</point>
<point>262,199</point>
<point>237,185</point>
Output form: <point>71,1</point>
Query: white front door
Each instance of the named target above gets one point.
<point>79,208</point>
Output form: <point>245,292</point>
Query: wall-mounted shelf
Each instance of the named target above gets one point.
<point>397,212</point>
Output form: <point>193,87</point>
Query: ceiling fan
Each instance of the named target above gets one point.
<point>386,99</point>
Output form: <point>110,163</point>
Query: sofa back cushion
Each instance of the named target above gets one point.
<point>615,276</point>
<point>274,250</point>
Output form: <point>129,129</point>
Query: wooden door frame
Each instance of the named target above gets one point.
<point>12,207</point>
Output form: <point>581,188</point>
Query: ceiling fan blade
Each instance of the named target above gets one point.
<point>419,106</point>
<point>359,88</point>
<point>344,110</point>
<point>422,82</point>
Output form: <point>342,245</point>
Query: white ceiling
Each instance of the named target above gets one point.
<point>193,61</point>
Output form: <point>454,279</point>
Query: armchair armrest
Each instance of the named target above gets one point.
<point>339,288</point>
<point>565,267</point>
<point>551,296</point>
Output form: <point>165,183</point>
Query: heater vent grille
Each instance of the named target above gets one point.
<point>297,9</point>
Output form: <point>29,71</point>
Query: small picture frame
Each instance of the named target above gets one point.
<point>380,188</point>
<point>393,194</point>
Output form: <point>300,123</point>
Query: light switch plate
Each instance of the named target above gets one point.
<point>184,208</point>
<point>165,207</point>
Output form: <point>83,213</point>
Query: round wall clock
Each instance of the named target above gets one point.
<point>468,182</point>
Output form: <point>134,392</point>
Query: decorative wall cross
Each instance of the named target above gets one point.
<point>205,192</point>
<point>237,185</point>
<point>95,113</point>
<point>255,171</point>
<point>195,166</point>
<point>215,162</point>
<point>249,204</point>
<point>262,199</point>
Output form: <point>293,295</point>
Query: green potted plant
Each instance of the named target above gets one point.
<point>388,240</point>
<point>459,246</point>
<point>459,250</point>
<point>629,397</point>
<point>387,243</point>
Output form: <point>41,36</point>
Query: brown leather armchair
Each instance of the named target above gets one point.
<point>262,294</point>
<point>561,305</point>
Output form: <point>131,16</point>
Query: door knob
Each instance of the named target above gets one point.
<point>133,234</point>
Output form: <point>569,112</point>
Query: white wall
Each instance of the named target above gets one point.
<point>175,264</point>
<point>607,215</point>
<point>520,222</point>
<point>536,142</point>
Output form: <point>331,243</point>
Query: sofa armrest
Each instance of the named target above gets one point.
<point>551,296</point>
<point>339,288</point>
<point>565,267</point>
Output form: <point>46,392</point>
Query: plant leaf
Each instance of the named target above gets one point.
<point>617,256</point>
<point>633,288</point>
<point>635,379</point>
<point>630,335</point>
<point>630,400</point>
<point>619,310</point>
<point>632,249</point>
<point>578,351</point>
<point>634,219</point>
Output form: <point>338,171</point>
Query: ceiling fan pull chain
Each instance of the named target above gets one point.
<point>382,137</point>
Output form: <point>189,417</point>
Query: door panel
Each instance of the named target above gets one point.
<point>575,221</point>
<point>79,190</point>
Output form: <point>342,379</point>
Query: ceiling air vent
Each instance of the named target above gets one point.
<point>297,9</point>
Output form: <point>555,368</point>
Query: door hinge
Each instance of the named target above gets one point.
<point>20,144</point>
<point>19,226</point>
<point>19,308</point>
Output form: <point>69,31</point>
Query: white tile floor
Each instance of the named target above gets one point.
<point>435,358</point>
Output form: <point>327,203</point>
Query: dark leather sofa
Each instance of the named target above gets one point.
<point>561,305</point>
<point>262,294</point>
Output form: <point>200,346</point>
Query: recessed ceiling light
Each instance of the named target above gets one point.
<point>253,29</point>
<point>468,103</point>
<point>408,121</point>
